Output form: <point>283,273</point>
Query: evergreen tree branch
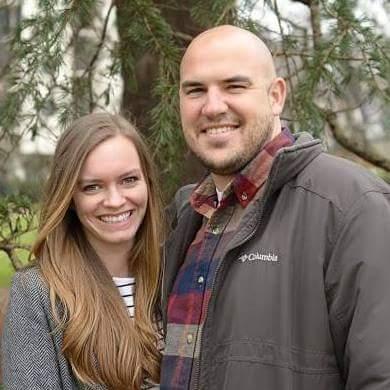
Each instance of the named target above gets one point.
<point>100,45</point>
<point>284,49</point>
<point>185,37</point>
<point>230,6</point>
<point>282,53</point>
<point>315,19</point>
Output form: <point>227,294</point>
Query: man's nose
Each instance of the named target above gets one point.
<point>114,197</point>
<point>215,104</point>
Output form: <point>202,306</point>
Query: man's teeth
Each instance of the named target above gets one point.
<point>115,218</point>
<point>220,130</point>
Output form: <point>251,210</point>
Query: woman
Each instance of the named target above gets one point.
<point>67,325</point>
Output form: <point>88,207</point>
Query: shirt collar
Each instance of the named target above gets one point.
<point>246,183</point>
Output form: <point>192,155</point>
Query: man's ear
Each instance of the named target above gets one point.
<point>277,95</point>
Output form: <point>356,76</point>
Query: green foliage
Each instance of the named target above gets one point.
<point>320,63</point>
<point>208,14</point>
<point>38,47</point>
<point>347,51</point>
<point>17,223</point>
<point>16,216</point>
<point>150,32</point>
<point>6,270</point>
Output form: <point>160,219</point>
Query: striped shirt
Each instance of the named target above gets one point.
<point>126,287</point>
<point>189,299</point>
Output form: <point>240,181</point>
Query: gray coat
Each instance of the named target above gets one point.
<point>31,347</point>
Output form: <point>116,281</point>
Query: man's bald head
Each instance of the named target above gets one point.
<point>230,99</point>
<point>231,38</point>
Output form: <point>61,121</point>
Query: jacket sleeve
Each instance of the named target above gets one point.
<point>358,290</point>
<point>29,355</point>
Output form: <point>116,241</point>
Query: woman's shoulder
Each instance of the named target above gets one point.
<point>29,282</point>
<point>29,275</point>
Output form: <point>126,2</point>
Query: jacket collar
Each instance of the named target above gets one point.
<point>290,161</point>
<point>246,183</point>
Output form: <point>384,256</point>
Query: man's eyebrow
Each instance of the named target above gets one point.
<point>238,79</point>
<point>190,83</point>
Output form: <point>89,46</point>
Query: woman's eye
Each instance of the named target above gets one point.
<point>91,188</point>
<point>130,180</point>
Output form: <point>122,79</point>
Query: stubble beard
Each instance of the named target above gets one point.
<point>260,135</point>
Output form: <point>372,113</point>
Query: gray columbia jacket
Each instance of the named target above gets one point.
<point>301,300</point>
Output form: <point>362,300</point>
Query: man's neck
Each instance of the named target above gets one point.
<point>222,182</point>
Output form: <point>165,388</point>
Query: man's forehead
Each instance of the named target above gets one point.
<point>232,46</point>
<point>221,56</point>
<point>221,66</point>
<point>211,45</point>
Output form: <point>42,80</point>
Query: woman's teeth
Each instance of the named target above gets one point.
<point>115,218</point>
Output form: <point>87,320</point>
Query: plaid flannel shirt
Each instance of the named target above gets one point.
<point>189,299</point>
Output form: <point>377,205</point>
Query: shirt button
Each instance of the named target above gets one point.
<point>200,279</point>
<point>244,196</point>
<point>215,229</point>
<point>190,338</point>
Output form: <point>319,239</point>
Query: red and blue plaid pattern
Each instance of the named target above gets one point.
<point>188,301</point>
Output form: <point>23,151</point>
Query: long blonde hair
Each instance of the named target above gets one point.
<point>102,344</point>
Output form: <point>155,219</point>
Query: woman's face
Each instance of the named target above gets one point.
<point>111,195</point>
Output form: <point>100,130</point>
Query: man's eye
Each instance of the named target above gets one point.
<point>194,91</point>
<point>91,188</point>
<point>236,87</point>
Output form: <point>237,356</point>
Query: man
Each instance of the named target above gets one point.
<point>277,275</point>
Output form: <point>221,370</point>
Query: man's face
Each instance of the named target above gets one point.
<point>225,108</point>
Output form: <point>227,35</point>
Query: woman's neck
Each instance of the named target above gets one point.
<point>115,257</point>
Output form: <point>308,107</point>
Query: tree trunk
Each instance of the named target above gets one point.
<point>138,101</point>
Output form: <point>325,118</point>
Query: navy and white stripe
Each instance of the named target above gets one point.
<point>126,287</point>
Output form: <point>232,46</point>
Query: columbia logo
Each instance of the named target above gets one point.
<point>258,256</point>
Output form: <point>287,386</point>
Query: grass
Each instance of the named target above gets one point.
<point>6,269</point>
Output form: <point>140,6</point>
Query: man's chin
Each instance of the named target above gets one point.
<point>226,168</point>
